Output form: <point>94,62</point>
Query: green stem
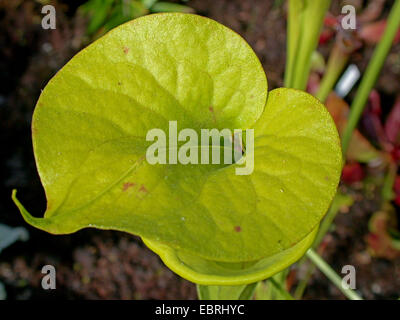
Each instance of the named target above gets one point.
<point>293,35</point>
<point>323,229</point>
<point>336,63</point>
<point>312,19</point>
<point>331,275</point>
<point>325,225</point>
<point>301,287</point>
<point>372,73</point>
<point>280,288</point>
<point>241,292</point>
<point>338,201</point>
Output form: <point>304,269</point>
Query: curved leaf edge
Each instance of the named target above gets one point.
<point>285,258</point>
<point>171,259</point>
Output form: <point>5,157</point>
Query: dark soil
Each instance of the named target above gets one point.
<point>93,264</point>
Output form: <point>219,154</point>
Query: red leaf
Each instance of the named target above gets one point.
<point>352,172</point>
<point>375,102</point>
<point>396,185</point>
<point>397,200</point>
<point>395,153</point>
<point>392,124</point>
<point>372,32</point>
<point>331,23</point>
<point>372,121</point>
<point>326,35</point>
<point>360,149</point>
<point>330,20</point>
<point>380,241</point>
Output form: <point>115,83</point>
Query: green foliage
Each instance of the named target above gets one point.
<point>242,292</point>
<point>272,289</point>
<point>108,14</point>
<point>371,73</point>
<point>208,224</point>
<point>305,20</point>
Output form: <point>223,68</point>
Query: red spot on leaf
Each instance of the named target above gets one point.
<point>127,185</point>
<point>143,189</point>
<point>49,206</point>
<point>126,50</point>
<point>238,228</point>
<point>213,114</point>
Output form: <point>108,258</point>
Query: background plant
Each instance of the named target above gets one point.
<point>336,64</point>
<point>105,15</point>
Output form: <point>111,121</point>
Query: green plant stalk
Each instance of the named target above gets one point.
<point>326,223</point>
<point>293,36</point>
<point>301,287</point>
<point>323,229</point>
<point>331,275</point>
<point>372,73</point>
<point>274,292</point>
<point>271,289</point>
<point>336,63</point>
<point>170,7</point>
<point>311,23</point>
<point>148,3</point>
<point>280,288</point>
<point>338,201</point>
<point>242,292</point>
